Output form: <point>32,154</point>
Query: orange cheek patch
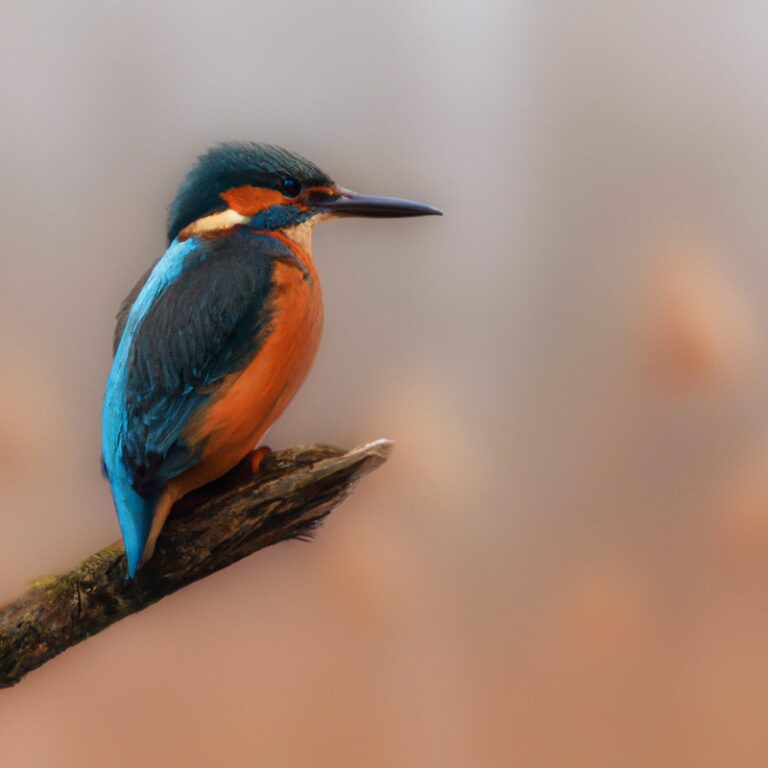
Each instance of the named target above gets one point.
<point>323,189</point>
<point>249,201</point>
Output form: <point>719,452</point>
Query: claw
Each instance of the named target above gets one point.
<point>257,456</point>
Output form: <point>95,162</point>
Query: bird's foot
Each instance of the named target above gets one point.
<point>239,474</point>
<point>258,455</point>
<point>245,469</point>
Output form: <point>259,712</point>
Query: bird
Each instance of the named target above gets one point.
<point>218,335</point>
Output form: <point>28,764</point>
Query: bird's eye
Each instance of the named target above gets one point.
<point>291,187</point>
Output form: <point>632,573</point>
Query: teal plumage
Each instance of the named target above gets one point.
<point>232,283</point>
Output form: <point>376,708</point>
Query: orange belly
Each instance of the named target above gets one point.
<point>248,402</point>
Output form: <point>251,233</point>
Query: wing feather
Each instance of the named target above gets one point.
<point>125,307</point>
<point>205,325</point>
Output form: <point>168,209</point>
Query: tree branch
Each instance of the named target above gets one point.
<point>291,494</point>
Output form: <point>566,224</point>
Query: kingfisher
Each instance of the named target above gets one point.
<point>218,335</point>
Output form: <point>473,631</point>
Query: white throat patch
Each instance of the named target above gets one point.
<point>301,234</point>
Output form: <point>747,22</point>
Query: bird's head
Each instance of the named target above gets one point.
<point>268,188</point>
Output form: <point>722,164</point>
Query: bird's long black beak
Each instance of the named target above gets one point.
<point>349,203</point>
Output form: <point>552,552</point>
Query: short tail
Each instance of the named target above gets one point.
<point>160,515</point>
<point>135,514</point>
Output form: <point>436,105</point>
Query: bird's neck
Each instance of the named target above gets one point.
<point>299,235</point>
<point>213,225</point>
<point>299,240</point>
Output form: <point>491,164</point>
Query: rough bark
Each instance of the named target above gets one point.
<point>289,496</point>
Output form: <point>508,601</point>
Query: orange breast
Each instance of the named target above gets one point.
<point>248,403</point>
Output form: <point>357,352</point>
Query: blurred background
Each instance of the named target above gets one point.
<point>565,563</point>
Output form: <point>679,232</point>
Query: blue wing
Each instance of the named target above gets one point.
<point>200,315</point>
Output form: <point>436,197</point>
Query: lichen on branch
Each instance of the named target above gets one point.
<point>288,497</point>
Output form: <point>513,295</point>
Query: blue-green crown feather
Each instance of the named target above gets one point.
<point>234,164</point>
